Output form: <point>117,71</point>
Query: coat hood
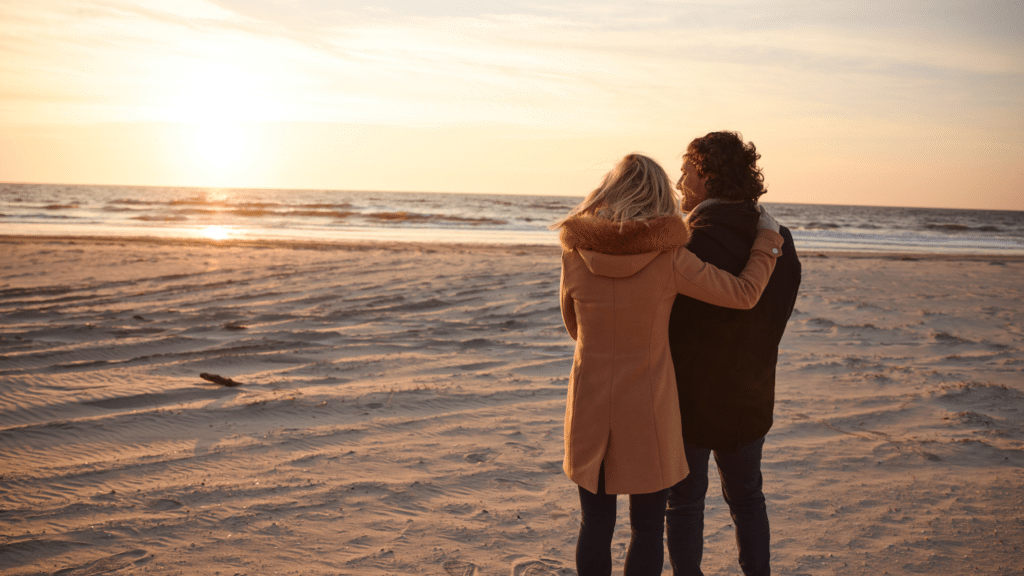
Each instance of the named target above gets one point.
<point>609,251</point>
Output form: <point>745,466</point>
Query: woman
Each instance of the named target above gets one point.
<point>623,262</point>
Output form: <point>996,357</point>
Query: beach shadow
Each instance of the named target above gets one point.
<point>159,399</point>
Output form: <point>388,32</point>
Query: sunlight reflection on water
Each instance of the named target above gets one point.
<point>216,232</point>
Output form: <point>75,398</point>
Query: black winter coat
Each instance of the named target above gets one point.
<point>725,359</point>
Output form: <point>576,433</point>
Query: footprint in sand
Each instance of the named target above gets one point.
<point>459,568</point>
<point>542,567</point>
<point>107,564</point>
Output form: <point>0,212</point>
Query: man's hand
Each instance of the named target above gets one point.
<point>767,220</point>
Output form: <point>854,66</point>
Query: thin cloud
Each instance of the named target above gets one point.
<point>576,65</point>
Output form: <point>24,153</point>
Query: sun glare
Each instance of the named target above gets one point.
<point>216,100</point>
<point>217,93</point>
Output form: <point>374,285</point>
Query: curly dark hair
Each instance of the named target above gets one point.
<point>729,165</point>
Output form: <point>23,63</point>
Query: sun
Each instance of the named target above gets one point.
<point>219,145</point>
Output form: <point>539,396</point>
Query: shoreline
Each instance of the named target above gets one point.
<point>344,245</point>
<point>338,245</point>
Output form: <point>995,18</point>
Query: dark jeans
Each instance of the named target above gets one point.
<point>740,471</point>
<point>646,554</point>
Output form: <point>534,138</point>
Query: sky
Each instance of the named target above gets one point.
<point>892,103</point>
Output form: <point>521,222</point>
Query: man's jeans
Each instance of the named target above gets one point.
<point>740,471</point>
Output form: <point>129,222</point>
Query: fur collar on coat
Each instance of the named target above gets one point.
<point>636,237</point>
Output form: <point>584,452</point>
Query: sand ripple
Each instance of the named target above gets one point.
<point>401,412</point>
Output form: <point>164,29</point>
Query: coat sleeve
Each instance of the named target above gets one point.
<point>567,303</point>
<point>698,279</point>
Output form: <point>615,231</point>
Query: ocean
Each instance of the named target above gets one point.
<point>340,215</point>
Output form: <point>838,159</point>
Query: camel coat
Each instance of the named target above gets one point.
<point>617,290</point>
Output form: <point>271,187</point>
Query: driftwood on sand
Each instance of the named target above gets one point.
<point>218,379</point>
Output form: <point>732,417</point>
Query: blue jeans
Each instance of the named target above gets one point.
<point>646,553</point>
<point>740,471</point>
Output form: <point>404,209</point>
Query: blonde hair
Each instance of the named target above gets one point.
<point>636,189</point>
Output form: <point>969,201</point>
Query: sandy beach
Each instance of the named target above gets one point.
<point>400,412</point>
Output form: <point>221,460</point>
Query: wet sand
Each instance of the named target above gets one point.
<point>400,412</point>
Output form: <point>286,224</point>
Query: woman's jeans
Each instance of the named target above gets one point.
<point>646,554</point>
<point>740,471</point>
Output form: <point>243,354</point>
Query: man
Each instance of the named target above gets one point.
<point>725,359</point>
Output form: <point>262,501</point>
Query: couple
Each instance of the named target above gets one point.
<point>675,354</point>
